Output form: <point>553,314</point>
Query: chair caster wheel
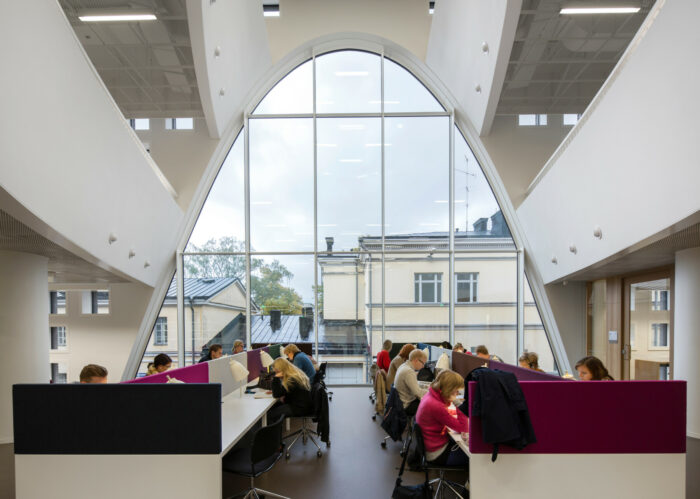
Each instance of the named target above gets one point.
<point>319,453</point>
<point>374,418</point>
<point>328,444</point>
<point>287,455</point>
<point>383,445</point>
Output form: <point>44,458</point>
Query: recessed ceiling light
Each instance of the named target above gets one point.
<point>599,10</point>
<point>117,17</point>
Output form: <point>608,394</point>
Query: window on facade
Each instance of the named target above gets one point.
<point>571,119</point>
<point>59,373</point>
<point>659,335</point>
<point>160,332</point>
<point>664,372</point>
<point>95,302</point>
<point>428,288</point>
<point>140,123</point>
<point>532,119</point>
<point>659,299</point>
<point>362,217</point>
<point>57,302</point>
<point>58,337</point>
<point>466,287</point>
<point>179,123</point>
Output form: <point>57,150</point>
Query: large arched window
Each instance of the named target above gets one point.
<point>350,210</point>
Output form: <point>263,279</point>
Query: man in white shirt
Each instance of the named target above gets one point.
<point>406,381</point>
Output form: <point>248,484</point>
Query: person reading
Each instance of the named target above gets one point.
<point>291,388</point>
<point>92,373</point>
<point>300,359</point>
<point>396,363</point>
<point>406,381</point>
<point>592,369</point>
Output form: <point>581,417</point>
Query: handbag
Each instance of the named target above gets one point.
<point>421,491</point>
<point>265,380</point>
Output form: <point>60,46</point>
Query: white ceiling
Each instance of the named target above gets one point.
<point>147,66</point>
<point>559,62</point>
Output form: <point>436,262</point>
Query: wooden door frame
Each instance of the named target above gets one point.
<point>666,272</point>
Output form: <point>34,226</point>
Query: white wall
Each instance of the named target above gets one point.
<point>631,164</point>
<point>405,22</point>
<point>24,328</point>
<point>182,155</point>
<point>569,307</point>
<point>237,29</point>
<point>68,155</point>
<point>455,52</point>
<point>520,152</point>
<point>100,339</point>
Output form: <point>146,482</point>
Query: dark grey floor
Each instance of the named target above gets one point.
<point>7,471</point>
<point>354,467</point>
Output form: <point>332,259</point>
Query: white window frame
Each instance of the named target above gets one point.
<point>473,282</point>
<point>61,338</point>
<point>527,120</point>
<point>160,331</point>
<point>658,302</point>
<point>420,279</point>
<point>179,123</point>
<point>656,334</point>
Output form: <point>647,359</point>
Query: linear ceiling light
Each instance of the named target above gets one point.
<point>599,10</point>
<point>114,16</point>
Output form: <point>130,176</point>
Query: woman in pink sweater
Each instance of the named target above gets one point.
<point>434,419</point>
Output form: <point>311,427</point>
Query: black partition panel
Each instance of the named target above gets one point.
<point>117,418</point>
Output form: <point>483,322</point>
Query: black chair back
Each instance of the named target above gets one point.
<point>320,375</point>
<point>267,442</point>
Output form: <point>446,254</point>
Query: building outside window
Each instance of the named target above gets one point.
<point>659,299</point>
<point>161,331</point>
<point>659,335</point>
<point>532,119</point>
<point>59,374</point>
<point>95,302</point>
<point>466,287</point>
<point>428,288</point>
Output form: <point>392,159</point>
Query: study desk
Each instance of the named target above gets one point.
<point>239,412</point>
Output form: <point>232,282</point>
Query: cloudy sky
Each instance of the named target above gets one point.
<point>349,166</point>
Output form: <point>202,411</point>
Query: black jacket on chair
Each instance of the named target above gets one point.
<point>395,418</point>
<point>319,397</point>
<point>297,397</point>
<point>500,403</point>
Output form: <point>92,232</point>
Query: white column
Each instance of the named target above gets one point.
<point>686,331</point>
<point>24,328</point>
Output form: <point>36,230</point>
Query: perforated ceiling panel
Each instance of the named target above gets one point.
<point>64,266</point>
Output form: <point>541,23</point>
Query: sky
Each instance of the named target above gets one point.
<point>349,158</point>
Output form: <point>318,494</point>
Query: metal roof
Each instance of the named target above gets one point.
<point>201,287</point>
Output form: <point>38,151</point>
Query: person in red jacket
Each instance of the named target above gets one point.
<point>434,417</point>
<point>383,359</point>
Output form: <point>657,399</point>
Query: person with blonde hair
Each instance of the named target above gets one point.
<point>300,359</point>
<point>433,418</point>
<point>396,363</point>
<point>292,389</point>
<point>530,360</point>
<point>238,347</point>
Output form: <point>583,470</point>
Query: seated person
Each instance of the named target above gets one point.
<point>406,381</point>
<point>433,416</point>
<point>383,359</point>
<point>161,363</point>
<point>592,369</point>
<point>92,373</point>
<point>215,352</point>
<point>483,353</point>
<point>446,345</point>
<point>530,360</point>
<point>458,348</point>
<point>292,389</point>
<point>238,347</point>
<point>300,359</point>
<point>396,363</point>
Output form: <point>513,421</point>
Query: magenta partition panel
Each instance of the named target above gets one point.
<point>599,417</point>
<point>196,373</point>
<point>523,374</point>
<point>254,363</point>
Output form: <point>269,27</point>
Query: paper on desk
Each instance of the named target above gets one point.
<point>263,395</point>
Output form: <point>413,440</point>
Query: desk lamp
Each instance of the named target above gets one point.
<point>238,371</point>
<point>266,359</point>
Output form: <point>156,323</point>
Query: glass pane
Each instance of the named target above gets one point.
<point>283,300</point>
<point>491,318</point>
<point>348,81</point>
<point>650,318</point>
<point>167,326</point>
<point>349,181</point>
<point>404,93</point>
<point>292,95</point>
<point>221,223</point>
<point>281,185</point>
<point>476,209</point>
<point>215,299</point>
<point>417,177</point>
<point>536,339</point>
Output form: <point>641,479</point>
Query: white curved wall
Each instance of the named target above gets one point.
<point>631,165</point>
<point>68,156</point>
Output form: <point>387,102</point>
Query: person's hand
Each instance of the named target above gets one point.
<point>278,375</point>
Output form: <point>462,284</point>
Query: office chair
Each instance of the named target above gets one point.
<point>457,489</point>
<point>306,432</point>
<point>320,377</point>
<point>259,458</point>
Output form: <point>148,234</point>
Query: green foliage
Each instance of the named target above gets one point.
<point>269,281</point>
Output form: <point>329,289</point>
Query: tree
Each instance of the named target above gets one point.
<point>268,280</point>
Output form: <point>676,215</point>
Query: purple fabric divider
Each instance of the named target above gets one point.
<point>254,363</point>
<point>196,373</point>
<point>464,363</point>
<point>599,417</point>
<point>523,374</point>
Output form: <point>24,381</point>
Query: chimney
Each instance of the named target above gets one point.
<point>308,312</point>
<point>481,225</point>
<point>305,326</point>
<point>329,245</point>
<point>275,319</point>
<point>498,225</point>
